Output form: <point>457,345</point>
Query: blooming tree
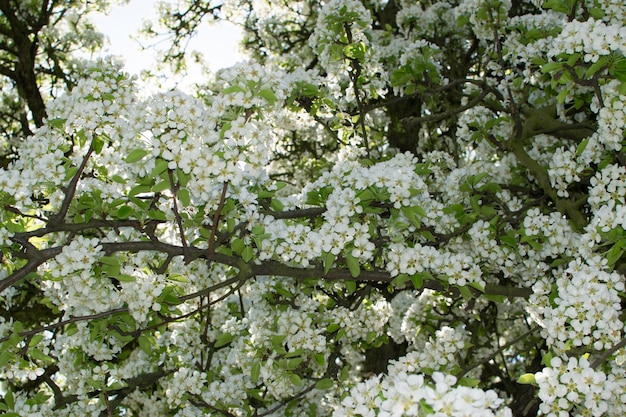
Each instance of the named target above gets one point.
<point>453,246</point>
<point>40,41</point>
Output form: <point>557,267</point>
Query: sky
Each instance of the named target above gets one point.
<point>217,42</point>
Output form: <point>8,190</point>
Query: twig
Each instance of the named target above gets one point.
<point>355,74</point>
<point>70,190</point>
<point>608,353</point>
<point>285,402</point>
<point>497,351</point>
<point>174,187</point>
<point>216,217</point>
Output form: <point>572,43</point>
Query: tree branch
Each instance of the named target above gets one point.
<point>70,190</point>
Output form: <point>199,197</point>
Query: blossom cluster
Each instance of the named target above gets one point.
<point>141,293</point>
<point>608,187</point>
<point>574,387</point>
<point>456,269</point>
<point>72,285</point>
<point>403,392</point>
<point>599,39</point>
<point>585,310</point>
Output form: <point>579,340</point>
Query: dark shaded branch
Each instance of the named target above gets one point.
<point>294,214</point>
<point>278,269</point>
<point>540,174</point>
<point>411,122</point>
<point>91,225</point>
<point>35,258</point>
<point>544,120</point>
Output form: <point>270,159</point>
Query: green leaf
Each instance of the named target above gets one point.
<point>295,380</point>
<point>183,179</point>
<point>223,339</point>
<point>615,253</point>
<point>184,197</point>
<point>139,189</point>
<point>283,291</point>
<point>400,280</point>
<point>233,89</point>
<point>277,205</point>
<point>161,186</point>
<point>238,245</point>
<point>596,12</point>
<point>159,167</point>
<point>596,66</point>
<point>268,95</point>
<point>40,356</point>
<point>255,372</point>
<point>35,340</point>
<point>177,278</point>
<point>494,298</point>
<point>9,400</point>
<point>350,286</point>
<point>332,328</point>
<point>157,215</point>
<point>418,281</point>
<point>255,393</point>
<point>144,344</point>
<point>225,128</point>
<point>527,379</point>
<point>116,178</point>
<point>56,123</point>
<point>573,59</point>
<point>169,297</point>
<point>125,278</point>
<point>247,254</point>
<point>413,214</point>
<point>582,146</point>
<point>277,341</point>
<point>355,51</point>
<point>469,382</point>
<point>98,144</point>
<point>319,359</point>
<point>547,358</point>
<point>124,212</point>
<point>353,265</point>
<point>324,384</point>
<point>258,230</point>
<point>329,260</point>
<point>552,66</point>
<point>136,155</point>
<point>400,77</point>
<point>620,70</point>
<point>6,357</point>
<point>110,260</point>
<point>293,363</point>
<point>466,293</point>
<point>70,172</point>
